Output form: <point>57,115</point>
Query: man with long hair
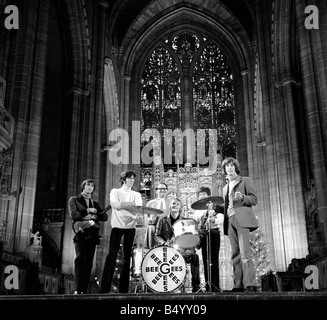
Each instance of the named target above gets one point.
<point>239,221</point>
<point>123,224</point>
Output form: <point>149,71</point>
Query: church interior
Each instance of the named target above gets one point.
<point>167,89</point>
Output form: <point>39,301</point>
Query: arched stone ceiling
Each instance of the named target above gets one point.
<point>125,12</point>
<point>159,19</point>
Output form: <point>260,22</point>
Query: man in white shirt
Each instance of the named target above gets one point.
<point>161,203</point>
<point>123,224</point>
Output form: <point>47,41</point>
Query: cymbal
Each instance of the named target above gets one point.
<point>143,210</point>
<point>203,203</point>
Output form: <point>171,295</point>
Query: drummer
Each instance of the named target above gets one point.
<point>164,236</point>
<point>161,203</point>
<point>203,218</point>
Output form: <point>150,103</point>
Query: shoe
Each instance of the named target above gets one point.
<point>78,292</point>
<point>251,289</point>
<point>237,290</point>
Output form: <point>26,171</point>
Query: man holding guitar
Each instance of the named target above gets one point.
<point>86,214</point>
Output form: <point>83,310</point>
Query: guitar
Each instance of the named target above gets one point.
<point>80,225</point>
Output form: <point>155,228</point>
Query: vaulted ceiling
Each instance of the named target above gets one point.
<point>124,12</point>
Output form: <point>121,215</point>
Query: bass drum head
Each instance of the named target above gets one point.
<point>163,269</point>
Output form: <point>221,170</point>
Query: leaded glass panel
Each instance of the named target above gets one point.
<point>183,64</point>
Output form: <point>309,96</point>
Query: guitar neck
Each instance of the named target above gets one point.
<point>105,209</point>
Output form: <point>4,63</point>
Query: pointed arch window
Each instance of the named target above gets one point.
<point>187,83</point>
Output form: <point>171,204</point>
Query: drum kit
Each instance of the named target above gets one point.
<point>163,268</point>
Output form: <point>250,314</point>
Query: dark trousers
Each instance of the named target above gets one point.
<point>215,246</point>
<point>110,263</point>
<point>83,264</point>
<point>192,258</point>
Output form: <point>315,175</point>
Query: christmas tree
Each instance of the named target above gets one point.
<point>260,253</point>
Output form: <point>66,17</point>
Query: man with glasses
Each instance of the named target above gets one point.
<point>161,203</point>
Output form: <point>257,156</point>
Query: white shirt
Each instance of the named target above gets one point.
<point>162,203</point>
<point>200,214</point>
<point>197,216</point>
<point>156,203</point>
<point>121,218</point>
<point>230,209</point>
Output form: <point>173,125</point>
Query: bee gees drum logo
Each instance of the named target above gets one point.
<point>163,269</point>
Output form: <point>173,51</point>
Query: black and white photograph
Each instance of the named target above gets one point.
<point>163,158</point>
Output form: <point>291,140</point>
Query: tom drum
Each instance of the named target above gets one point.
<point>186,233</point>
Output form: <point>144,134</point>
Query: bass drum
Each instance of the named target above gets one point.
<point>163,269</point>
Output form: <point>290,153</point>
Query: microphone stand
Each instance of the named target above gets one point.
<point>209,256</point>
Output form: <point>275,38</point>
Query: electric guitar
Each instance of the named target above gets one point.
<point>80,225</point>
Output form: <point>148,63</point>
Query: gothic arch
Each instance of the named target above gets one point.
<point>78,32</point>
<point>137,46</point>
<point>142,38</point>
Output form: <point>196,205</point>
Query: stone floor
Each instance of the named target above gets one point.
<point>316,295</point>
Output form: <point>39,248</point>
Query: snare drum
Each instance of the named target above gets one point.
<point>186,233</point>
<point>163,269</point>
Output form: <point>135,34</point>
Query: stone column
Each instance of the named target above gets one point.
<point>291,195</point>
<point>27,85</point>
<point>313,62</point>
<point>249,121</point>
<point>99,112</point>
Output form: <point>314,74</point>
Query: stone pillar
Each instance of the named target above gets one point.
<point>313,61</point>
<point>291,186</point>
<point>25,104</point>
<point>99,112</point>
<point>249,122</point>
<point>74,177</point>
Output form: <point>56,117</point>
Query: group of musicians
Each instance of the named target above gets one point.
<point>160,216</point>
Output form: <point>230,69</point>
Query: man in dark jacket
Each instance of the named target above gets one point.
<point>239,221</point>
<point>164,235</point>
<point>86,214</point>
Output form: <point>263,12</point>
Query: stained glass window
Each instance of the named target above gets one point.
<point>187,83</point>
<point>213,98</point>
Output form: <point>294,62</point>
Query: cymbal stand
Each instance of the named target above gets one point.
<point>209,257</point>
<point>145,227</point>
